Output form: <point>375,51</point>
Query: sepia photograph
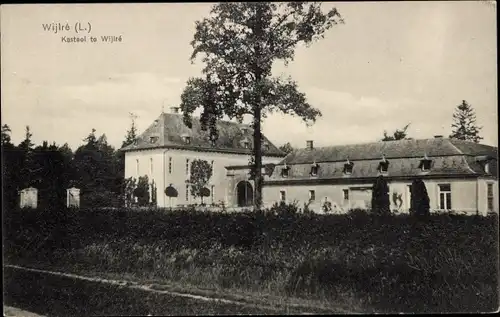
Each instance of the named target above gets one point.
<point>249,158</point>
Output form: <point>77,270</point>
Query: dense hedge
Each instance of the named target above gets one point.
<point>388,263</point>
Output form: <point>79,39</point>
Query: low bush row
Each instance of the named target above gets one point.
<point>391,262</point>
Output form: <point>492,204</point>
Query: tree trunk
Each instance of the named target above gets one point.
<point>258,159</point>
<point>257,138</point>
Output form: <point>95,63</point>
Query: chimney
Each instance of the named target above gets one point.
<point>438,137</point>
<point>309,144</point>
<point>174,109</point>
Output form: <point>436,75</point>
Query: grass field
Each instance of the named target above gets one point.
<point>371,264</point>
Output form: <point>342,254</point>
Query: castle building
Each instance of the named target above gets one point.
<point>459,175</point>
<point>165,150</point>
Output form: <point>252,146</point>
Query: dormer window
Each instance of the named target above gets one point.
<point>186,139</point>
<point>484,161</point>
<point>244,130</point>
<point>213,142</point>
<point>285,171</point>
<point>245,143</point>
<point>153,139</point>
<point>348,165</point>
<point>487,167</point>
<point>383,166</point>
<point>425,164</point>
<point>266,146</point>
<point>314,169</point>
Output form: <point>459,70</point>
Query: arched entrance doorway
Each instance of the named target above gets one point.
<point>244,194</point>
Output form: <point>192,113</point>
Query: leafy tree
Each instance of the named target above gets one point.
<point>380,196</point>
<point>397,135</point>
<point>240,42</point>
<point>129,186</point>
<point>419,199</point>
<point>142,191</point>
<point>96,171</point>
<point>154,193</point>
<point>171,192</point>
<point>6,135</point>
<point>51,176</point>
<point>287,147</point>
<point>119,163</point>
<point>27,144</point>
<point>201,172</point>
<point>27,167</point>
<point>12,162</point>
<point>464,126</point>
<point>131,135</point>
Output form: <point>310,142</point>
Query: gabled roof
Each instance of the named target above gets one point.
<point>169,129</point>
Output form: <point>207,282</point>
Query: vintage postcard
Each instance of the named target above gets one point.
<point>249,158</point>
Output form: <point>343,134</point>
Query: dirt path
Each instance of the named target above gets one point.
<point>9,311</point>
<point>153,289</point>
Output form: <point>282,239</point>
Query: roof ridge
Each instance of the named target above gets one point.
<point>373,142</point>
<point>198,117</point>
<point>455,147</point>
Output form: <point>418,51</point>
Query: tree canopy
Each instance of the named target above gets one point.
<point>239,43</point>
<point>464,123</point>
<point>287,147</point>
<point>397,135</point>
<point>201,172</point>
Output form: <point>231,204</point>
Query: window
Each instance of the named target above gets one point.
<point>213,142</point>
<point>490,196</point>
<point>151,166</point>
<point>137,166</point>
<point>487,168</point>
<point>170,165</point>
<point>284,171</point>
<point>408,197</point>
<point>383,166</point>
<point>245,144</point>
<point>212,194</point>
<point>345,194</point>
<point>187,166</point>
<point>282,195</point>
<point>187,193</point>
<point>444,196</point>
<point>312,195</point>
<point>153,139</point>
<point>425,164</point>
<point>187,139</point>
<point>314,169</point>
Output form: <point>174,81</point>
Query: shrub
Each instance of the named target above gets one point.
<point>380,197</point>
<point>419,201</point>
<point>283,208</point>
<point>142,191</point>
<point>306,209</point>
<point>392,262</point>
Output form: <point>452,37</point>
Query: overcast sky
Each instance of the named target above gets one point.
<point>391,63</point>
